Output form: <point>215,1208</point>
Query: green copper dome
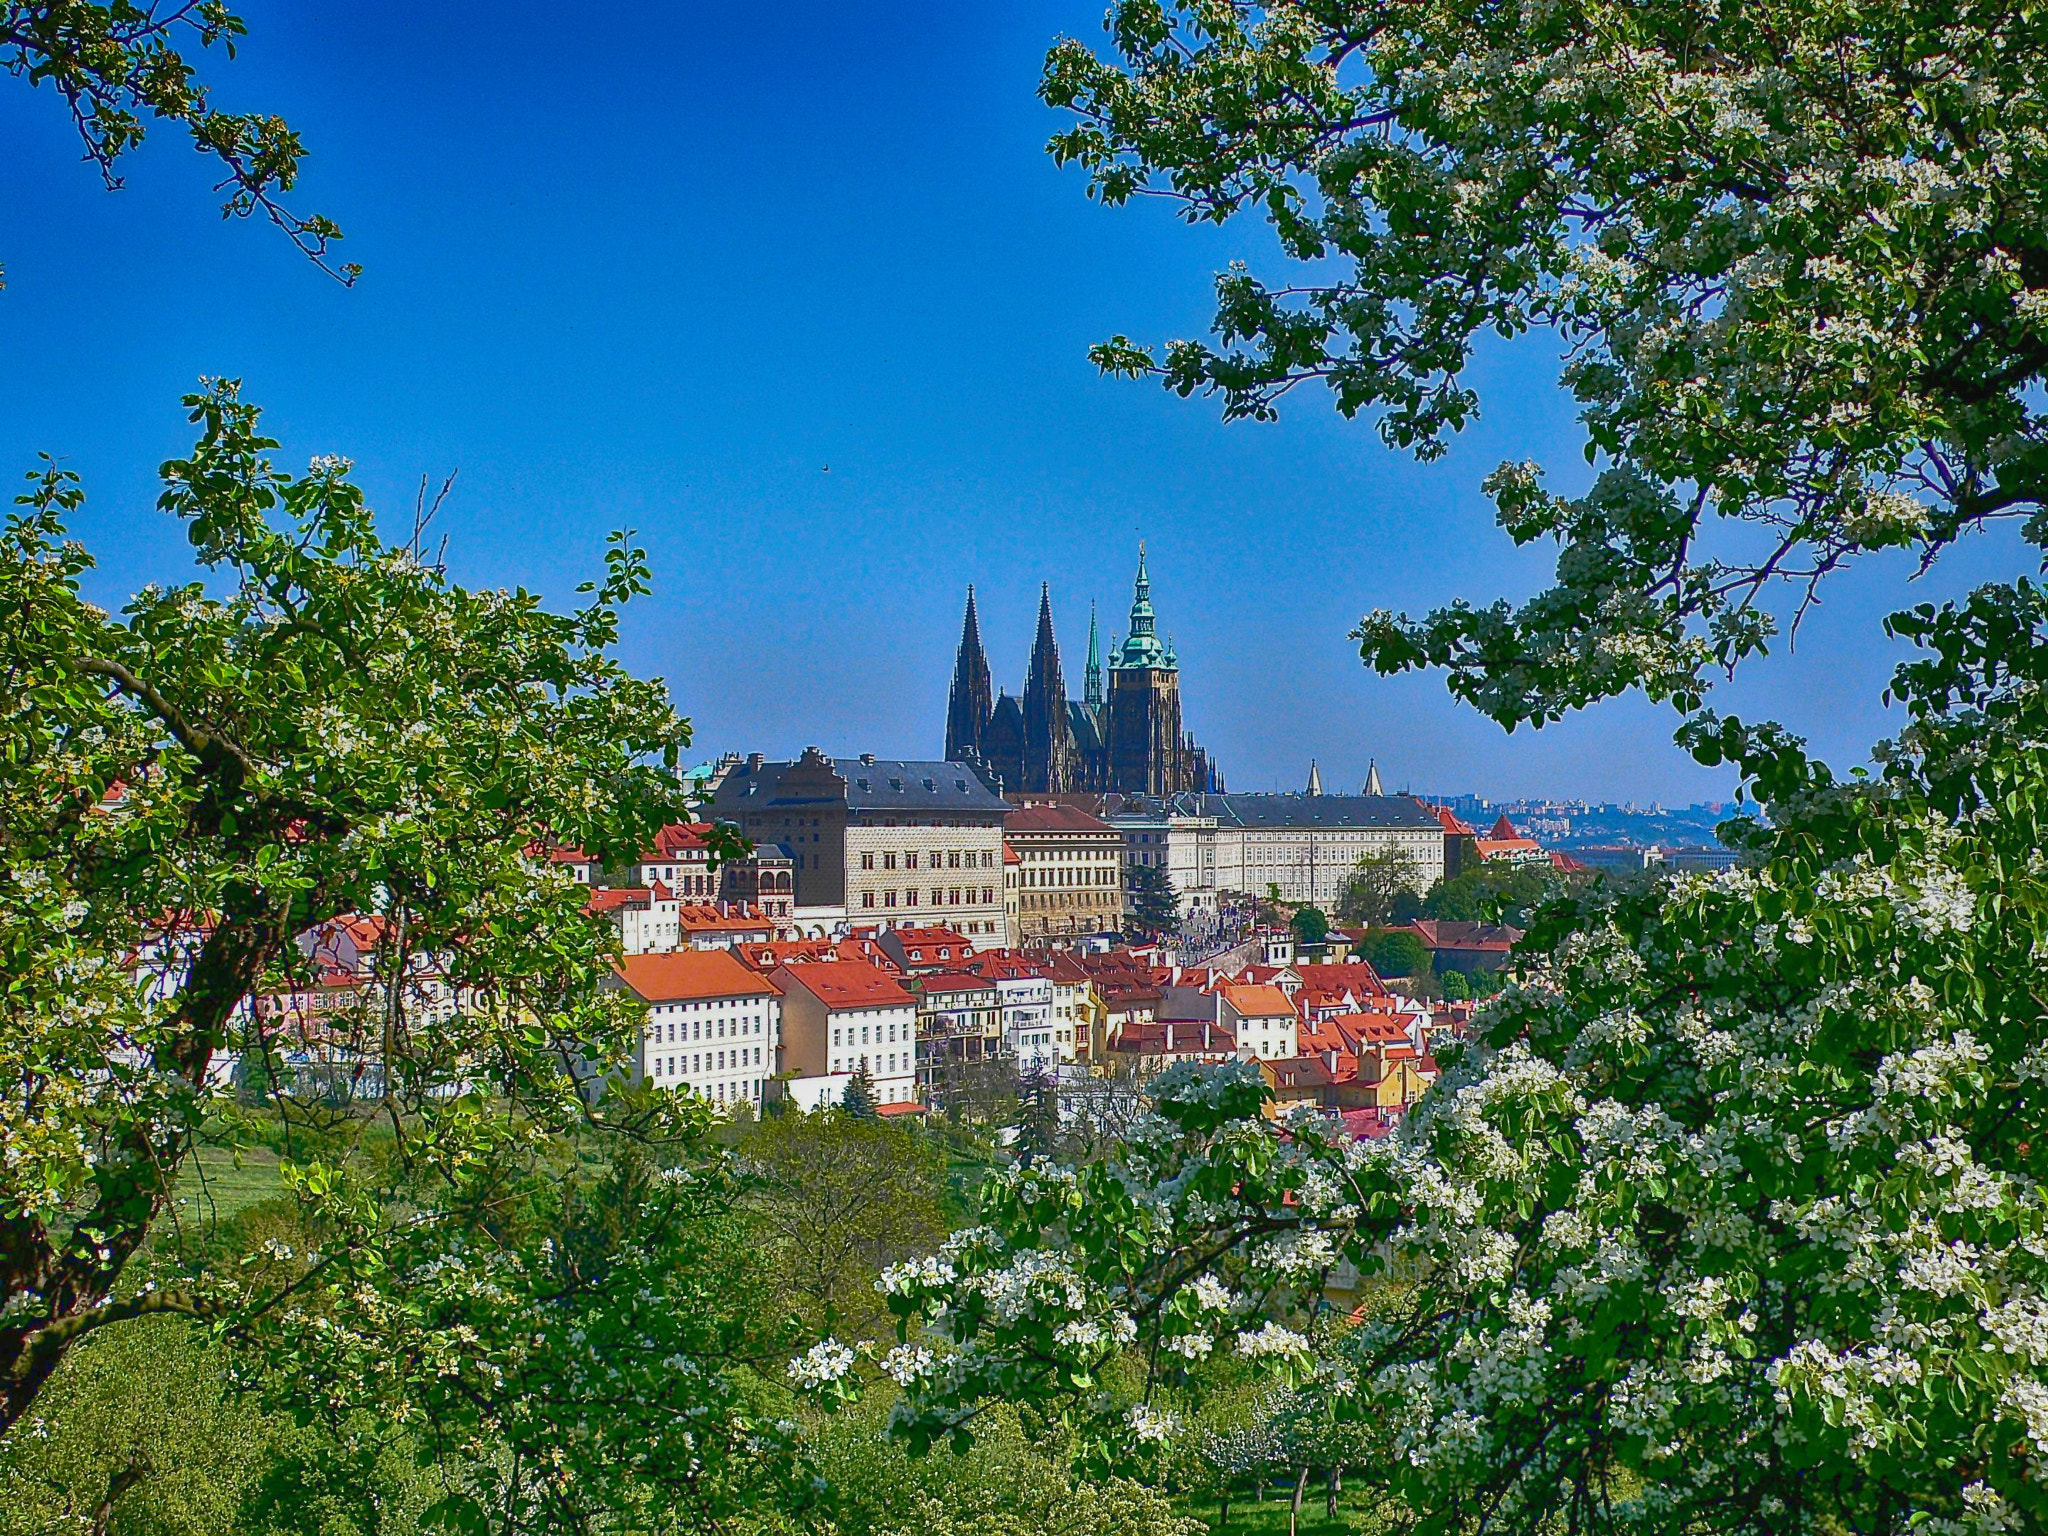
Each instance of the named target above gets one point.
<point>1142,647</point>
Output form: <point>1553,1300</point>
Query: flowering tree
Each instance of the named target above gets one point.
<point>1794,253</point>
<point>328,727</point>
<point>1732,1221</point>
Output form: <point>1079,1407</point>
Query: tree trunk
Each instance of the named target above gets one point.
<point>1335,1487</point>
<point>1223,1509</point>
<point>1294,1508</point>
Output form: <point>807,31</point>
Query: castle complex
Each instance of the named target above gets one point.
<point>1127,740</point>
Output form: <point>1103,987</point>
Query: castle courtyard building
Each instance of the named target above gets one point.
<point>893,842</point>
<point>1070,872</point>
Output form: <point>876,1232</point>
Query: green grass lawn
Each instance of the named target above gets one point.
<point>212,1188</point>
<point>1248,1518</point>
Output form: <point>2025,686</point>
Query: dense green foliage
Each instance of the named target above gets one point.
<point>1011,1483</point>
<point>1795,254</point>
<point>1385,887</point>
<point>1497,892</point>
<point>837,1197</point>
<point>1151,907</point>
<point>334,728</point>
<point>1393,952</point>
<point>1732,1219</point>
<point>1310,926</point>
<point>1732,1222</point>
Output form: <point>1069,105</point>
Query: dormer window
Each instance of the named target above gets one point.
<point>896,785</point>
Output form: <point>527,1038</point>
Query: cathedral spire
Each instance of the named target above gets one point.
<point>1372,777</point>
<point>1092,679</point>
<point>972,700</point>
<point>1315,778</point>
<point>1142,648</point>
<point>1047,743</point>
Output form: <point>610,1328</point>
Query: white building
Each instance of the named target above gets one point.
<point>1030,1034</point>
<point>1260,1017</point>
<point>838,1015</point>
<point>1185,846</point>
<point>713,1025</point>
<point>1307,846</point>
<point>890,841</point>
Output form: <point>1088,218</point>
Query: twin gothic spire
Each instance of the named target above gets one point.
<point>1126,738</point>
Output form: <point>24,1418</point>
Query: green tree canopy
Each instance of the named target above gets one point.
<point>1375,891</point>
<point>1729,1223</point>
<point>839,1197</point>
<point>1151,907</point>
<point>1791,252</point>
<point>328,728</point>
<point>1497,892</point>
<point>1393,952</point>
<point>1311,926</point>
<point>857,1098</point>
<point>1732,1219</point>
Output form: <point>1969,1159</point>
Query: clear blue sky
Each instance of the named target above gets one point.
<point>796,292</point>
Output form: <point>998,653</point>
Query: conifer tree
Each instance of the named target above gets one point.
<point>858,1096</point>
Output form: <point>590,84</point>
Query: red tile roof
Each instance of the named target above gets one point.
<point>933,935</point>
<point>1054,818</point>
<point>1356,975</point>
<point>612,898</point>
<point>1261,1002</point>
<point>765,955</point>
<point>687,974</point>
<point>1445,935</point>
<point>845,984</point>
<point>677,836</point>
<point>1361,1030</point>
<point>701,917</point>
<point>1299,1072</point>
<point>954,981</point>
<point>1452,822</point>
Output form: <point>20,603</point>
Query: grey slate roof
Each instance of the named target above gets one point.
<point>1281,811</point>
<point>903,785</point>
<point>895,784</point>
<point>1083,726</point>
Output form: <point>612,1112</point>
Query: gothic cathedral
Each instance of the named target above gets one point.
<point>1128,741</point>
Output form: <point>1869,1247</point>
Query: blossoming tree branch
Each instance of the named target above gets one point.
<point>1730,1219</point>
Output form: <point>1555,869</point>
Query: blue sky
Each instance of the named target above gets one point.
<point>795,292</point>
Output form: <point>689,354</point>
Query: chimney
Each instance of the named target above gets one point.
<point>755,761</point>
<point>867,759</point>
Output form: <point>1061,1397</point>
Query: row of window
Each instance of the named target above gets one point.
<point>946,897</point>
<point>698,1062</point>
<point>976,859</point>
<point>682,884</point>
<point>884,1034</point>
<point>1042,878</point>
